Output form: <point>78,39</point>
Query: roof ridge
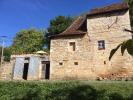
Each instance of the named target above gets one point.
<point>109,8</point>
<point>109,5</point>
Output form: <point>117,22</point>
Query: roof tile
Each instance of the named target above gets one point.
<point>74,28</point>
<point>109,9</point>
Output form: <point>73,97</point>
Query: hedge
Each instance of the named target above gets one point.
<point>66,90</point>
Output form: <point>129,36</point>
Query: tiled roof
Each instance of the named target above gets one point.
<point>79,26</point>
<point>75,28</point>
<point>109,9</point>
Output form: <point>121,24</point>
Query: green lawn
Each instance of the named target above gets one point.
<point>66,90</point>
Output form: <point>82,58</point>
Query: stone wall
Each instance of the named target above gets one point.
<point>6,71</point>
<point>60,53</point>
<point>92,63</point>
<point>110,27</point>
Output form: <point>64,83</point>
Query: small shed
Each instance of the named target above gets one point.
<point>31,67</point>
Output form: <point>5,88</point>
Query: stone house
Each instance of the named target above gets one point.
<point>82,50</point>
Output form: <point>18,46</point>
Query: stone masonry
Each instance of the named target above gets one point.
<point>87,61</point>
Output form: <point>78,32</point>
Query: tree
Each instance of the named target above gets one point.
<point>59,24</point>
<point>28,41</point>
<point>7,53</point>
<point>130,2</point>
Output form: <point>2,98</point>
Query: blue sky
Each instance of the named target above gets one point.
<point>23,14</point>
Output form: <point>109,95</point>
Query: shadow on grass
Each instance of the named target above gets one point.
<point>80,92</point>
<point>84,92</point>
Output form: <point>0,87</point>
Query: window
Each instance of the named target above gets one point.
<point>72,46</point>
<point>75,63</point>
<point>101,44</point>
<point>104,62</point>
<point>60,63</point>
<point>27,58</point>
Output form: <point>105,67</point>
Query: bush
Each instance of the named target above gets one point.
<point>66,90</point>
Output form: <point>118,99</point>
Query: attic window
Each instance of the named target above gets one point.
<point>72,46</point>
<point>101,45</point>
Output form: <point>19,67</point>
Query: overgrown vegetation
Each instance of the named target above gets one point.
<point>66,90</point>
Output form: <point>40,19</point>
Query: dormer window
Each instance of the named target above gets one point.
<point>101,45</point>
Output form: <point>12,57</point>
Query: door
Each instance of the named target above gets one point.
<point>47,71</point>
<point>25,71</point>
<point>18,69</point>
<point>33,72</point>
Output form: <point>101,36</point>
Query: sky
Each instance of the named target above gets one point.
<point>16,15</point>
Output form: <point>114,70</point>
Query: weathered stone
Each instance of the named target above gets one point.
<point>93,62</point>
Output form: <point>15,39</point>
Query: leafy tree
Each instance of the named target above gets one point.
<point>7,53</point>
<point>130,2</point>
<point>59,24</point>
<point>28,41</point>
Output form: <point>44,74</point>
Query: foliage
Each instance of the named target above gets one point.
<point>28,41</point>
<point>126,45</point>
<point>130,2</point>
<point>59,24</point>
<point>66,90</point>
<point>7,53</point>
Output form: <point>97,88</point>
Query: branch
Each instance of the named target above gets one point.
<point>127,30</point>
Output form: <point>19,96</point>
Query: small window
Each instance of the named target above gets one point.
<point>60,63</point>
<point>101,45</point>
<point>27,58</point>
<point>104,62</point>
<point>72,46</point>
<point>75,63</point>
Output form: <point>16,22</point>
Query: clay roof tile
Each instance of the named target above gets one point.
<point>109,9</point>
<point>75,27</point>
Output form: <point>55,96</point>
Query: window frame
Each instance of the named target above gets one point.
<point>76,63</point>
<point>61,63</point>
<point>72,45</point>
<point>101,45</point>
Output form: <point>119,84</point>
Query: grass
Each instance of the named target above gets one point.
<point>66,90</point>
